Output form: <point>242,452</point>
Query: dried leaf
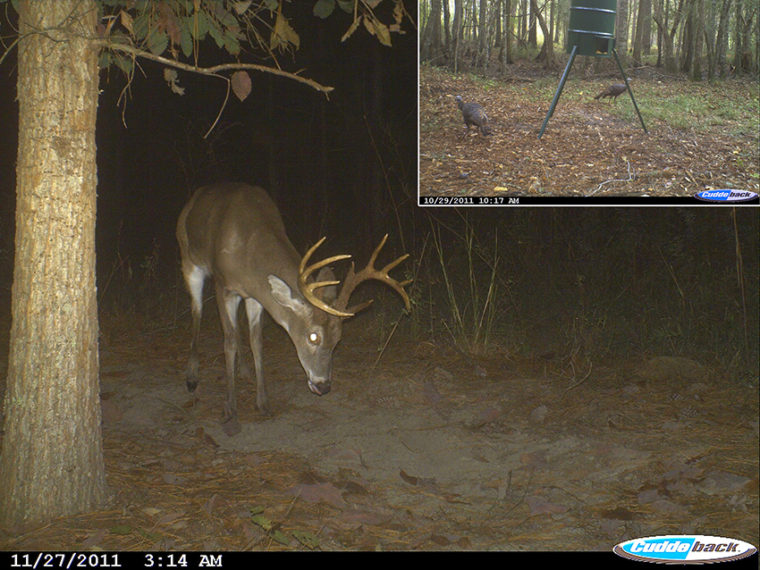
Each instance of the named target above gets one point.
<point>283,35</point>
<point>324,492</point>
<point>169,518</point>
<point>377,28</point>
<point>211,503</point>
<point>168,22</point>
<point>172,79</point>
<point>173,479</point>
<point>126,21</point>
<point>539,505</point>
<point>241,7</point>
<point>408,478</point>
<point>241,84</point>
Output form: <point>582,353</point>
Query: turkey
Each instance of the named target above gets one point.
<point>612,91</point>
<point>473,114</point>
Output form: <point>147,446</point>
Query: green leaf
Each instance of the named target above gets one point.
<point>104,59</point>
<point>140,27</point>
<point>228,20</point>
<point>231,43</point>
<point>262,521</point>
<point>157,42</point>
<point>198,26</point>
<point>280,537</point>
<point>347,6</point>
<point>216,32</point>
<point>323,8</point>
<point>185,39</point>
<point>125,63</point>
<point>309,540</point>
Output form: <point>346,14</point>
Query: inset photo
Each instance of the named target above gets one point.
<point>588,102</point>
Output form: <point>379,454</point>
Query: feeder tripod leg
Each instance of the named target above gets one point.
<point>635,106</point>
<point>559,89</point>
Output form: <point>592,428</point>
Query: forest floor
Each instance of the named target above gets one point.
<point>417,447</point>
<point>700,136</point>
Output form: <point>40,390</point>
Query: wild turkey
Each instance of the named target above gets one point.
<point>473,114</point>
<point>612,91</point>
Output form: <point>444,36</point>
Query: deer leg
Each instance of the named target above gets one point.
<point>194,278</point>
<point>228,304</point>
<point>254,309</point>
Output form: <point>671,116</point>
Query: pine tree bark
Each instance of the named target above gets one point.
<point>52,461</point>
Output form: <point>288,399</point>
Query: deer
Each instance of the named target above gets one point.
<point>234,233</point>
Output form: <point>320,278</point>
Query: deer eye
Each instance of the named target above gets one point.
<point>314,338</point>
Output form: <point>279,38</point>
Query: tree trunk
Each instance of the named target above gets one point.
<point>621,34</point>
<point>447,30</point>
<point>456,34</point>
<point>721,42</point>
<point>506,55</point>
<point>547,48</point>
<point>430,41</point>
<point>669,32</point>
<point>52,458</point>
<point>643,29</point>
<point>697,39</point>
<point>738,36</point>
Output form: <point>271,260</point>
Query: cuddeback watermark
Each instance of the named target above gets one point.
<point>684,548</point>
<point>725,195</point>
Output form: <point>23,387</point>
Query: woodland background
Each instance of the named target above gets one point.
<point>702,38</point>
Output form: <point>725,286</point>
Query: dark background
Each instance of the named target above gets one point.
<point>608,282</point>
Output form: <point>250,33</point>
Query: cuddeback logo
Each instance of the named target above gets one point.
<point>726,195</point>
<point>677,549</point>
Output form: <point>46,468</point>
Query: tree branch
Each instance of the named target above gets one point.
<point>215,69</point>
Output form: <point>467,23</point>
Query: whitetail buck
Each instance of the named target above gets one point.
<point>234,233</point>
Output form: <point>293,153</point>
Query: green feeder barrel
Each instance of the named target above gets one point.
<point>592,27</point>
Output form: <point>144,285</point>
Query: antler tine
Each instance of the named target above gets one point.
<point>319,264</point>
<point>369,272</point>
<point>307,289</point>
<point>398,287</point>
<point>373,257</point>
<point>393,264</point>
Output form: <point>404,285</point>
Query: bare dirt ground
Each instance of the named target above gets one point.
<point>423,448</point>
<point>586,149</point>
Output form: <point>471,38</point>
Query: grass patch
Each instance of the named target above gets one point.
<point>731,104</point>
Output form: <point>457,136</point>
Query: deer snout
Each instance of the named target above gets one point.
<point>319,387</point>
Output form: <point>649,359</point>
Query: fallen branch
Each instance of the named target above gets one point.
<point>631,176</point>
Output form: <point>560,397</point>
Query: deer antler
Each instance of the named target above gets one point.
<point>352,280</point>
<point>307,289</point>
<point>369,272</point>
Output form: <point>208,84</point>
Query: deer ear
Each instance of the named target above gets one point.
<point>284,296</point>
